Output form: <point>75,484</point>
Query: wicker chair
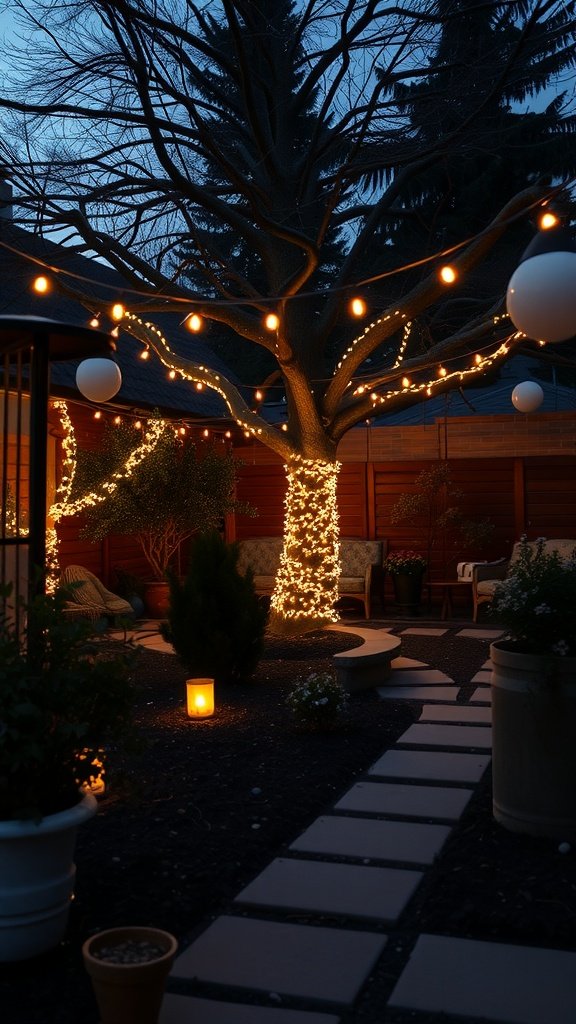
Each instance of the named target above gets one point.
<point>89,598</point>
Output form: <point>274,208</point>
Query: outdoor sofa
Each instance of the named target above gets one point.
<point>486,576</point>
<point>358,558</point>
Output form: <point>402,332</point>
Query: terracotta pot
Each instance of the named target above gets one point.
<point>129,993</point>
<point>534,742</point>
<point>37,874</point>
<point>157,598</point>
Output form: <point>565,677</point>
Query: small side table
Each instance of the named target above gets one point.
<point>447,588</point>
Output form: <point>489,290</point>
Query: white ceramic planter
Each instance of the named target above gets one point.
<point>37,874</point>
<point>534,743</point>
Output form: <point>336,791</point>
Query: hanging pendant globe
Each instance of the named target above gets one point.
<point>541,295</point>
<point>528,396</point>
<point>98,379</point>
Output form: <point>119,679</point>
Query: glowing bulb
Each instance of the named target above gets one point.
<point>94,322</point>
<point>477,359</point>
<point>228,433</point>
<point>246,433</point>
<point>205,433</point>
<point>117,420</point>
<point>199,385</point>
<point>442,371</point>
<point>194,322</point>
<point>138,425</point>
<point>182,430</point>
<point>145,354</point>
<point>41,285</point>
<point>374,396</point>
<point>117,311</point>
<point>357,307</point>
<point>272,322</point>
<point>97,415</point>
<point>548,220</point>
<point>258,395</point>
<point>405,382</point>
<point>284,426</point>
<point>448,275</point>
<point>172,374</point>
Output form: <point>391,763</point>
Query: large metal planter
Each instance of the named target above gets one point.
<point>534,742</point>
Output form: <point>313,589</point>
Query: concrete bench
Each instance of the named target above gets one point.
<point>368,665</point>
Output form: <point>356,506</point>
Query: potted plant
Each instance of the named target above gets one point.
<point>407,569</point>
<point>534,695</point>
<point>216,621</point>
<point>318,702</point>
<point>61,703</point>
<point>128,968</point>
<point>176,490</point>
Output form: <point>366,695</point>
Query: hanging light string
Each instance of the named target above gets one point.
<point>250,422</point>
<point>542,200</point>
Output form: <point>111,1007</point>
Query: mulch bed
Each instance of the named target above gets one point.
<point>204,806</point>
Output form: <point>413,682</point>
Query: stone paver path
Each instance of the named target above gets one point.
<point>362,863</point>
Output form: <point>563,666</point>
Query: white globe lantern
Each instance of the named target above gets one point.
<point>541,296</point>
<point>98,379</point>
<point>528,396</point>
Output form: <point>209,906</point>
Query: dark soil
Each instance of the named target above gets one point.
<point>206,805</point>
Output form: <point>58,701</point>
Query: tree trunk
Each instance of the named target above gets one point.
<point>306,588</point>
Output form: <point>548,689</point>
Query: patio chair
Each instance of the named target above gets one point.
<point>89,598</point>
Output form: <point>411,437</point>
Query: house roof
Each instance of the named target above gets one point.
<point>145,384</point>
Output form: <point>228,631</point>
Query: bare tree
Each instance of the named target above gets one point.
<point>236,159</point>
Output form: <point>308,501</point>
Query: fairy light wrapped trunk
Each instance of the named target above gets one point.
<point>306,588</point>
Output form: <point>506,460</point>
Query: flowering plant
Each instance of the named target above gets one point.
<point>536,603</point>
<point>406,561</point>
<point>317,701</point>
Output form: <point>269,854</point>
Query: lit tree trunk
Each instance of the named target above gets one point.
<point>306,588</point>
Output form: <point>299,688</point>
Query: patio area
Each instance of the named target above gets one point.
<point>315,878</point>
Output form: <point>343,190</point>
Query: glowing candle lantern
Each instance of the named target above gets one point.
<point>200,698</point>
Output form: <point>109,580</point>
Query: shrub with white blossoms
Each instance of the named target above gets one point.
<point>317,701</point>
<point>536,603</point>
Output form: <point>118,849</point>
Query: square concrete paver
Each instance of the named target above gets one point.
<point>455,713</point>
<point>410,801</point>
<point>408,841</point>
<point>483,695</point>
<point>481,634</point>
<point>491,980</point>
<point>464,736</point>
<point>190,1010</point>
<point>417,692</point>
<point>419,677</point>
<point>357,891</point>
<point>402,662</point>
<point>430,765</point>
<point>424,631</point>
<point>291,959</point>
<point>484,676</point>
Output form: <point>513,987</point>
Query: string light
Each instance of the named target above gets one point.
<point>97,415</point>
<point>258,395</point>
<point>442,371</point>
<point>41,284</point>
<point>547,220</point>
<point>117,311</point>
<point>145,354</point>
<point>271,322</point>
<point>306,587</point>
<point>199,385</point>
<point>172,374</point>
<point>117,420</point>
<point>448,274</point>
<point>194,322</point>
<point>357,306</point>
<point>94,322</point>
